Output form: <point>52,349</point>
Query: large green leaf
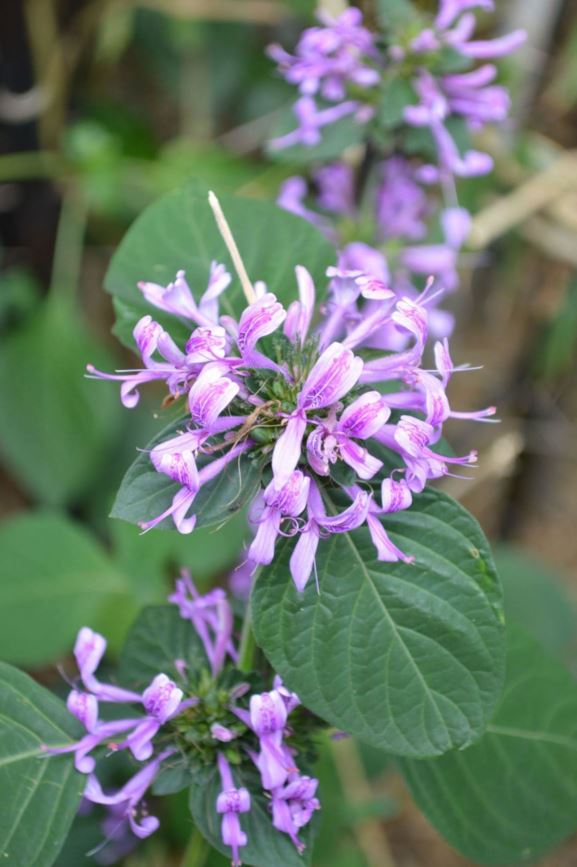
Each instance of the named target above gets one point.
<point>152,560</point>
<point>513,795</point>
<point>54,578</point>
<point>55,426</point>
<point>266,847</point>
<point>145,494</point>
<point>39,794</point>
<point>158,637</point>
<point>179,231</point>
<point>408,657</point>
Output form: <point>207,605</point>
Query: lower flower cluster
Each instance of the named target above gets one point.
<point>260,737</point>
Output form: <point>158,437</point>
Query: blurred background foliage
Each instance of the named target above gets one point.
<point>105,105</point>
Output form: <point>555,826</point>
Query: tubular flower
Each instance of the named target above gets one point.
<point>161,701</point>
<point>296,393</point>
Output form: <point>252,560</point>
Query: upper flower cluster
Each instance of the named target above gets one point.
<point>329,61</point>
<point>342,63</point>
<point>255,729</point>
<point>301,394</point>
<point>418,76</point>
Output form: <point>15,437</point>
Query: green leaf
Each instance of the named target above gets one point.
<point>398,93</point>
<point>40,794</point>
<point>536,599</point>
<point>151,560</point>
<point>56,426</point>
<point>145,494</point>
<point>266,847</point>
<point>158,637</point>
<point>54,578</point>
<point>408,657</point>
<point>513,795</point>
<point>395,14</point>
<point>179,231</point>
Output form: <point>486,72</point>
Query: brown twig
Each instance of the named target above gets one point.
<point>528,199</point>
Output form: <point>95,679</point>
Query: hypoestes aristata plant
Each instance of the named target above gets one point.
<point>302,369</point>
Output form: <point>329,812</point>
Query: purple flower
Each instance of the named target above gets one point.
<point>333,376</point>
<point>363,259</point>
<point>290,699</point>
<point>179,467</point>
<point>411,438</point>
<point>130,796</point>
<point>177,297</point>
<point>293,806</point>
<point>490,48</point>
<point>212,618</point>
<point>432,111</point>
<point>296,393</point>
<point>311,120</point>
<point>291,196</point>
<point>402,205</point>
<point>88,652</point>
<point>162,701</point>
<point>150,339</point>
<point>268,716</point>
<point>451,9</point>
<point>302,561</point>
<point>286,501</point>
<point>334,441</point>
<point>328,58</point>
<point>230,802</point>
<point>258,320</point>
<point>222,733</point>
<point>300,313</point>
<point>211,394</point>
<point>336,188</point>
<point>85,708</point>
<point>456,224</point>
<point>469,95</point>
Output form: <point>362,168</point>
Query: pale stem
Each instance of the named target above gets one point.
<point>228,239</point>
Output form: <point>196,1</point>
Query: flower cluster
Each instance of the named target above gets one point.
<point>258,724</point>
<point>161,701</point>
<point>428,64</point>
<point>291,794</point>
<point>341,63</point>
<point>302,399</point>
<point>329,61</point>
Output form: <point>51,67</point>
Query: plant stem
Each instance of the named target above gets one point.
<point>69,249</point>
<point>228,239</point>
<point>32,164</point>
<point>247,644</point>
<point>197,851</point>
